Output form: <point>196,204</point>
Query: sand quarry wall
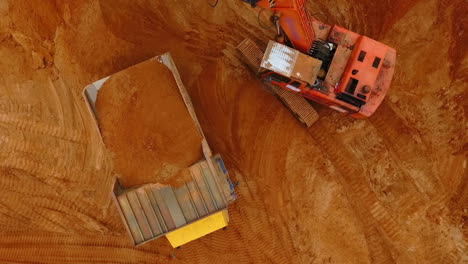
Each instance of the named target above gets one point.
<point>390,189</point>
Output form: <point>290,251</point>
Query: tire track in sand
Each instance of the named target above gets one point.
<point>256,226</point>
<point>67,134</point>
<point>370,211</point>
<point>60,249</point>
<point>12,107</point>
<point>354,177</point>
<point>249,225</point>
<point>68,178</point>
<point>59,155</point>
<point>402,140</point>
<point>22,200</point>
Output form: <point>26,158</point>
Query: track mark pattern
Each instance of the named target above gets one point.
<point>44,129</point>
<point>353,179</point>
<point>8,107</point>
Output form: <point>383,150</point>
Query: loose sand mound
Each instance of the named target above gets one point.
<point>145,124</point>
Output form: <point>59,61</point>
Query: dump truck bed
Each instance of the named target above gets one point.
<point>184,212</point>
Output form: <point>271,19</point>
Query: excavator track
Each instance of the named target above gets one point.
<point>252,53</point>
<point>298,105</point>
<point>302,110</point>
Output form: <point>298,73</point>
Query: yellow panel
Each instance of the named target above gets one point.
<point>198,229</point>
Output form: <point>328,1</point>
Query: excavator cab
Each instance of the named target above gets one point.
<point>361,70</point>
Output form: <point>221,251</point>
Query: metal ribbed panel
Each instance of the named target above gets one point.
<point>203,188</point>
<point>173,206</point>
<point>166,215</point>
<point>186,203</point>
<point>197,198</point>
<point>154,210</point>
<point>140,215</point>
<point>150,212</point>
<point>210,180</point>
<point>130,219</point>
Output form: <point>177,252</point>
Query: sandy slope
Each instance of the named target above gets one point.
<point>391,189</point>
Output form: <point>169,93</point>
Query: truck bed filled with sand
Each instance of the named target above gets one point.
<point>146,125</point>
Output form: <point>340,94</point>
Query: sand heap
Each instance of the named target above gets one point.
<point>146,125</point>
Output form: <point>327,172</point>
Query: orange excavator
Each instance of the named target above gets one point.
<point>326,64</point>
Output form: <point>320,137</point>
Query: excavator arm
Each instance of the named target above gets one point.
<point>295,21</point>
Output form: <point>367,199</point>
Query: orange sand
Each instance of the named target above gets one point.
<point>145,124</point>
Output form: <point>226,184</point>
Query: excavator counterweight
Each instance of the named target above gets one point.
<point>297,104</point>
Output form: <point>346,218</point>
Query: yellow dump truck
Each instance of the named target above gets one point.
<point>184,213</point>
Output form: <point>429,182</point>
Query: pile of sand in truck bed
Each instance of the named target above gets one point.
<point>146,125</point>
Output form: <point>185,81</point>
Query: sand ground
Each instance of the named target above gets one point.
<point>390,189</point>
